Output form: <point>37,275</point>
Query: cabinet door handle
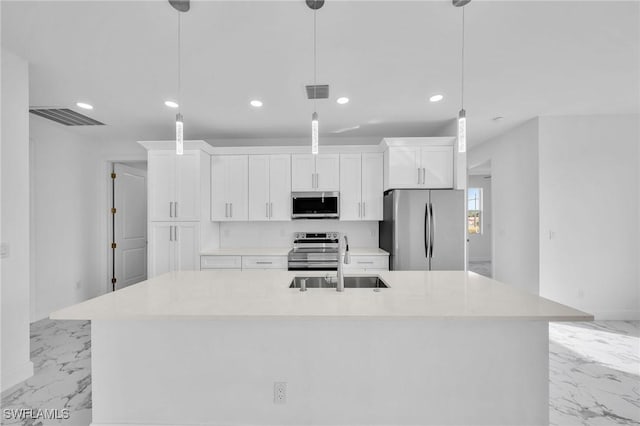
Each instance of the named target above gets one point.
<point>170,208</point>
<point>175,209</point>
<point>270,209</point>
<point>230,209</point>
<point>264,263</point>
<point>175,233</point>
<point>364,209</point>
<point>171,233</point>
<point>364,263</point>
<point>359,209</point>
<point>266,209</point>
<point>424,176</point>
<point>226,209</point>
<point>317,180</point>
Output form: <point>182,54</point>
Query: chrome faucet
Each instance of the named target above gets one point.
<point>346,261</point>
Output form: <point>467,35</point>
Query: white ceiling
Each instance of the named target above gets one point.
<point>524,59</point>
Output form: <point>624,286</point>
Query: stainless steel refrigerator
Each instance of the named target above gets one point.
<point>423,229</point>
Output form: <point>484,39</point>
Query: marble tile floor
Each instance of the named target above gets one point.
<point>594,373</point>
<point>482,268</point>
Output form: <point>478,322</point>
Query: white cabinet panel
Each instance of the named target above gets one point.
<point>372,186</point>
<point>259,187</point>
<point>220,262</point>
<point>418,167</point>
<point>327,172</point>
<point>161,175</point>
<point>403,167</point>
<point>264,262</point>
<point>173,246</point>
<point>315,172</point>
<point>229,187</point>
<point>174,186</point>
<point>280,187</point>
<point>186,241</point>
<point>187,197</point>
<point>303,171</point>
<point>160,248</point>
<point>437,163</point>
<point>351,181</point>
<point>270,187</point>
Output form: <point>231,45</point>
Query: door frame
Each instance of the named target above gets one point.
<point>106,224</point>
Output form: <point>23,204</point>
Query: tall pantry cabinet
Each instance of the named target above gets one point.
<point>177,194</point>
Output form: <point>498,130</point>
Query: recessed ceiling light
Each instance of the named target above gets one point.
<point>256,103</point>
<point>171,104</point>
<point>436,98</point>
<point>343,100</point>
<point>84,105</point>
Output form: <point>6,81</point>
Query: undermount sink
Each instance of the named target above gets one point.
<point>349,282</point>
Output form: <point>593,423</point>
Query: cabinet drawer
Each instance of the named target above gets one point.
<point>220,262</point>
<point>368,262</point>
<point>264,262</point>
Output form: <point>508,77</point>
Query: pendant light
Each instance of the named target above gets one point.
<point>462,114</point>
<point>314,5</point>
<point>181,6</point>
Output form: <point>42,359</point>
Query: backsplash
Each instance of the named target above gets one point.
<point>280,234</point>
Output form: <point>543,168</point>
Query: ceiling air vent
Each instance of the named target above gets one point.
<point>65,116</point>
<point>318,91</point>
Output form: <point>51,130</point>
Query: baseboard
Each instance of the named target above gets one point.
<point>16,375</point>
<point>479,259</point>
<point>617,316</point>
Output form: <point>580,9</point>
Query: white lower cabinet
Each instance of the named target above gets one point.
<point>365,263</point>
<point>173,246</point>
<point>238,263</point>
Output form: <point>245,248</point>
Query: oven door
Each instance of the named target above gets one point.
<point>315,205</point>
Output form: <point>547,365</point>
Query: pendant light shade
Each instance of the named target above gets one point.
<point>179,135</point>
<point>462,131</point>
<point>314,133</point>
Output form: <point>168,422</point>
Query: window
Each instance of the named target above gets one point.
<point>474,210</point>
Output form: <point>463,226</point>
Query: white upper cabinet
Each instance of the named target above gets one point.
<point>418,167</point>
<point>361,190</point>
<point>437,166</point>
<point>372,186</point>
<point>315,172</point>
<point>351,187</point>
<point>174,186</point>
<point>229,188</point>
<point>270,187</point>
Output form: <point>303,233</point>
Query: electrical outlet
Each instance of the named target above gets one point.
<point>279,392</point>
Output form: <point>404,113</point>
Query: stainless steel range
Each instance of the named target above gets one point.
<point>314,251</point>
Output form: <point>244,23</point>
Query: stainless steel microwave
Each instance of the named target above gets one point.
<point>315,205</point>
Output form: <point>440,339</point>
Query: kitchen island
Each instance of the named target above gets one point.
<point>209,347</point>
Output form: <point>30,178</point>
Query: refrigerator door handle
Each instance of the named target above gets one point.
<point>427,230</point>
<point>432,228</point>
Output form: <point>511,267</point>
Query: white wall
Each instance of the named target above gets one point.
<point>15,363</point>
<point>70,220</point>
<point>515,218</point>
<point>480,247</point>
<point>589,226</point>
<point>280,234</point>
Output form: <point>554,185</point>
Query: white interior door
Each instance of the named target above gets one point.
<point>130,225</point>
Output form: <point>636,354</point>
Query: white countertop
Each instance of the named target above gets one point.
<point>265,294</point>
<point>257,251</point>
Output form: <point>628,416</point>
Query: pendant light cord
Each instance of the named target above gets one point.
<point>179,65</point>
<point>315,60</point>
<point>462,61</point>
